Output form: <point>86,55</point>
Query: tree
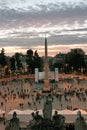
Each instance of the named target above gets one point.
<point>30,61</point>
<point>18,60</point>
<point>59,61</point>
<point>75,59</point>
<point>33,61</point>
<point>12,62</point>
<point>3,58</point>
<point>38,62</point>
<point>51,64</point>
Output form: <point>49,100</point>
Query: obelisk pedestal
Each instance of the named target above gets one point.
<point>46,87</point>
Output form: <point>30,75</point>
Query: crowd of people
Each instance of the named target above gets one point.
<point>23,95</point>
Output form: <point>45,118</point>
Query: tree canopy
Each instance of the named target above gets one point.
<point>3,58</point>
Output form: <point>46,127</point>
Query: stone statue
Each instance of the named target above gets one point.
<point>38,117</point>
<point>32,123</point>
<point>14,122</point>
<point>35,123</point>
<point>80,123</point>
<point>47,110</point>
<point>58,121</point>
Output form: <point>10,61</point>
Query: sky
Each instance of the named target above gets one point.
<point>24,24</point>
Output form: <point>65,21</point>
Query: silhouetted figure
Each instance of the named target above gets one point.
<point>14,123</point>
<point>38,117</point>
<point>32,123</point>
<point>35,123</point>
<point>80,123</point>
<point>67,126</point>
<point>71,126</point>
<point>59,121</point>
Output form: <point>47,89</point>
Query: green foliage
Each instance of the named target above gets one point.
<point>75,59</point>
<point>18,60</point>
<point>38,61</point>
<point>12,63</point>
<point>65,62</point>
<point>33,61</point>
<point>2,58</point>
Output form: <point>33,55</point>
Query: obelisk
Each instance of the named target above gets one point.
<point>46,69</point>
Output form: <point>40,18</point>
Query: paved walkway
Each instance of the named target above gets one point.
<point>13,98</point>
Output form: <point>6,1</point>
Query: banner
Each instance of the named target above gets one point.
<point>56,74</point>
<point>36,75</point>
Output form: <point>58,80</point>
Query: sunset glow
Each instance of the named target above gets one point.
<point>25,24</point>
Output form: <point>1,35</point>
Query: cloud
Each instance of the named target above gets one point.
<point>42,15</point>
<point>65,24</point>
